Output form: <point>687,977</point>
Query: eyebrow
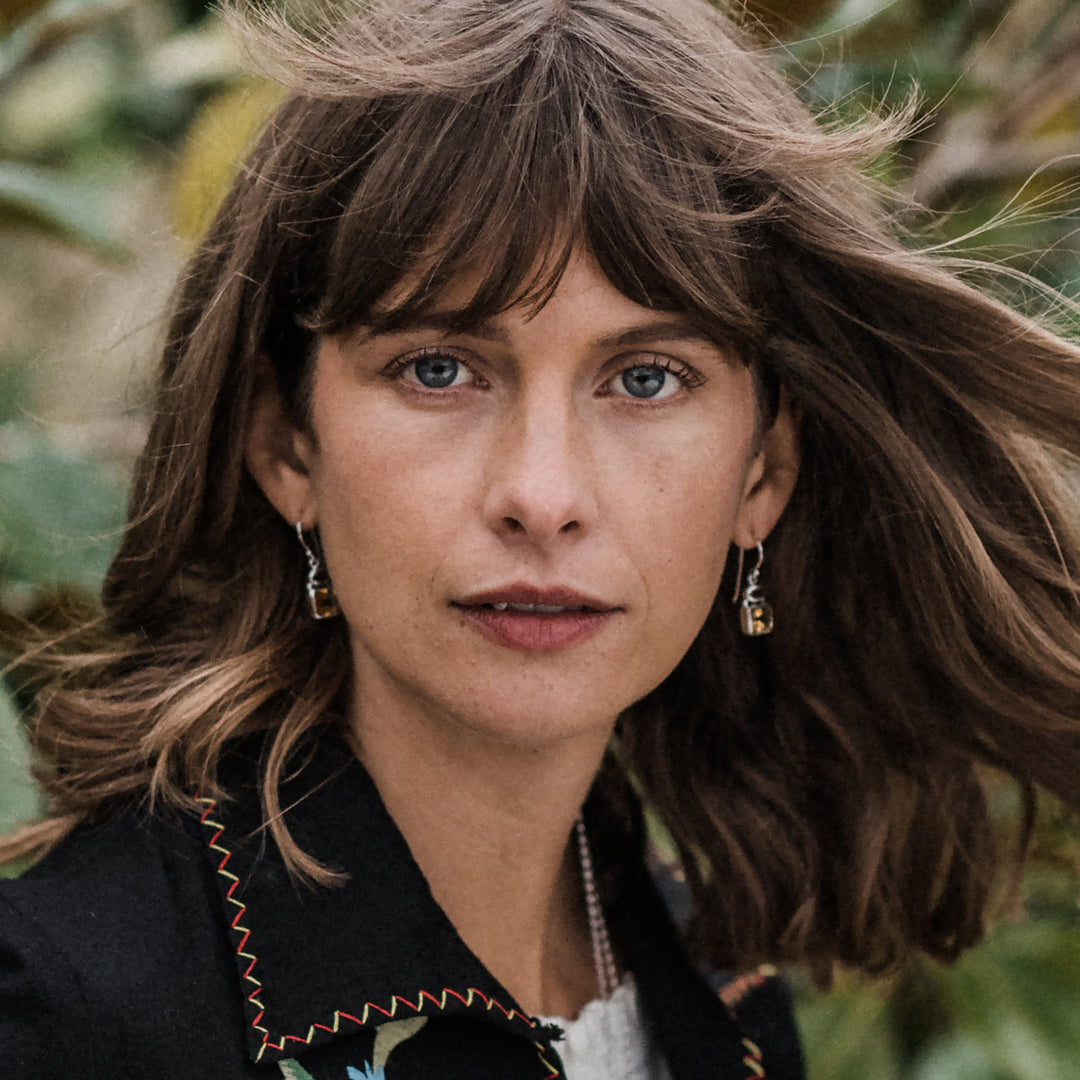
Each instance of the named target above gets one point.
<point>677,328</point>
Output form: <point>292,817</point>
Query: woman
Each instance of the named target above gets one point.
<point>523,322</point>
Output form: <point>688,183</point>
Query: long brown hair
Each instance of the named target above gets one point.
<point>822,785</point>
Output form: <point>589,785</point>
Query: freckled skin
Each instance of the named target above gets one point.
<point>536,464</point>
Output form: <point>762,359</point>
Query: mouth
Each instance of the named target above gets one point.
<point>533,619</point>
<point>535,609</point>
<point>532,600</point>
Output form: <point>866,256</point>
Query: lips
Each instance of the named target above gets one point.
<point>531,618</point>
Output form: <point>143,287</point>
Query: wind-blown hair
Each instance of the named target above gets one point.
<point>822,785</point>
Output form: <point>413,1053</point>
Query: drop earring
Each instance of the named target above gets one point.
<point>320,592</point>
<point>755,612</point>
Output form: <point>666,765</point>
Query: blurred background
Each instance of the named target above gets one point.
<point>122,120</point>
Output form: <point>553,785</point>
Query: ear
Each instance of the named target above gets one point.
<point>279,455</point>
<point>771,476</point>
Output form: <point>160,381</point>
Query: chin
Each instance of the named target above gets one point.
<point>541,722</point>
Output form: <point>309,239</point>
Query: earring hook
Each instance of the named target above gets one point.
<point>753,575</point>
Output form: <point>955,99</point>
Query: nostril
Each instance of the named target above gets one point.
<point>515,525</point>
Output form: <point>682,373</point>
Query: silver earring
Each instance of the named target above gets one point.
<point>320,592</point>
<point>755,612</point>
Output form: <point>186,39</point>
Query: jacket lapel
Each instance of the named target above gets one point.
<point>314,962</point>
<point>698,1036</point>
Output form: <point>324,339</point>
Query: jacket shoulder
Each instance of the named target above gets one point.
<point>122,881</point>
<point>105,949</point>
<point>761,1002</point>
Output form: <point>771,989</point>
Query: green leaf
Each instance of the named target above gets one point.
<point>54,24</point>
<point>955,1057</point>
<point>57,206</point>
<point>1018,997</point>
<point>19,798</point>
<point>62,515</point>
<point>15,383</point>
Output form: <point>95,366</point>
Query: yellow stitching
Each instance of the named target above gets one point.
<point>753,1060</point>
<point>553,1073</point>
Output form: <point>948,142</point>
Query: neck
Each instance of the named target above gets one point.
<point>491,827</point>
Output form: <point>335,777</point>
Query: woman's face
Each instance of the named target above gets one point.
<point>526,524</point>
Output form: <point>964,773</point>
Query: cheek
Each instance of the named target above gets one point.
<point>389,512</point>
<point>695,547</point>
<point>684,529</point>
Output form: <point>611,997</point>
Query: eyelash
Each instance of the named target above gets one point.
<point>690,378</point>
<point>397,366</point>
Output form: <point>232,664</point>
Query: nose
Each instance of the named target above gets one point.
<point>540,473</point>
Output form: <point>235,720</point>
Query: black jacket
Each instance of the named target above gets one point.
<point>156,949</point>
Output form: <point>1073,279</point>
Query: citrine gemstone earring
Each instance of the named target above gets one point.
<point>755,612</point>
<point>320,591</point>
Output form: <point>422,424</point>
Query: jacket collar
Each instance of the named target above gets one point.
<point>314,961</point>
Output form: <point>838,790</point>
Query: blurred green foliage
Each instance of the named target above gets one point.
<point>995,146</point>
<point>19,799</point>
<point>59,523</point>
<point>91,90</point>
<point>1004,1011</point>
<point>62,514</point>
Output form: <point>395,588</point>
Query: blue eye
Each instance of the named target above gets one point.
<point>646,381</point>
<point>436,372</point>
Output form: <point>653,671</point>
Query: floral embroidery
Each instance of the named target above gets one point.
<point>293,1071</point>
<point>387,1037</point>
